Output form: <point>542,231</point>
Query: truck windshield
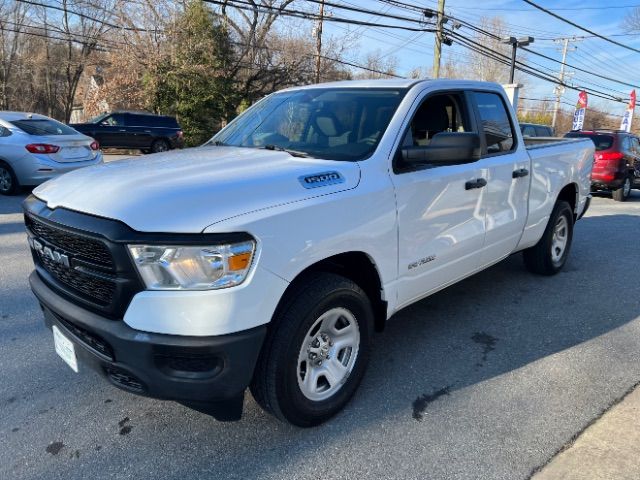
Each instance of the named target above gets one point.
<point>328,123</point>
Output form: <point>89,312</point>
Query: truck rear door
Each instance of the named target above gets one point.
<point>440,222</point>
<point>505,164</point>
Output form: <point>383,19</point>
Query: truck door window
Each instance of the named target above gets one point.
<point>496,125</point>
<point>439,113</point>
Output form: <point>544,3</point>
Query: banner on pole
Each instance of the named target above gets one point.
<point>628,114</point>
<point>581,109</point>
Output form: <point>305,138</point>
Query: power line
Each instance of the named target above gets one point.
<point>547,57</point>
<point>504,59</point>
<point>573,24</point>
<point>609,7</point>
<point>248,6</point>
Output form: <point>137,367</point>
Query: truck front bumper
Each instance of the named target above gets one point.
<point>209,374</point>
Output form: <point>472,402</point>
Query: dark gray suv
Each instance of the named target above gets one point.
<point>140,130</point>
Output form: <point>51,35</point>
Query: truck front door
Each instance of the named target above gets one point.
<point>440,219</point>
<point>507,169</point>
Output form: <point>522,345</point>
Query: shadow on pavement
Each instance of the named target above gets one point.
<point>12,204</point>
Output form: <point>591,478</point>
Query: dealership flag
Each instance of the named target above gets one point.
<point>628,114</point>
<point>581,108</point>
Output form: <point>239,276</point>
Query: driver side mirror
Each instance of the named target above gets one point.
<point>445,148</point>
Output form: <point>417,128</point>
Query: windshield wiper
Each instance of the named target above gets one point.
<point>293,153</point>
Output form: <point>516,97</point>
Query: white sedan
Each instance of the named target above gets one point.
<point>35,148</point>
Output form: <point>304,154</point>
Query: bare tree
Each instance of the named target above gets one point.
<point>82,25</point>
<point>12,24</point>
<point>379,65</point>
<point>482,66</point>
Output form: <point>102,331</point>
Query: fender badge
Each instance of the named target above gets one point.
<point>321,179</point>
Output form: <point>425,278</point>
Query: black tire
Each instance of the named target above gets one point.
<point>540,258</point>
<point>160,145</point>
<point>275,384</point>
<point>9,184</point>
<point>624,192</point>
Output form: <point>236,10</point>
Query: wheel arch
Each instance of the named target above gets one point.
<point>569,194</point>
<point>357,266</point>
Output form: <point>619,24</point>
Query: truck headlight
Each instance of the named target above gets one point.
<point>181,267</point>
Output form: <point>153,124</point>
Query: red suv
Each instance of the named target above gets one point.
<point>616,166</point>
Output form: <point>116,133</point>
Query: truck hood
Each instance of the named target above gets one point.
<point>185,191</point>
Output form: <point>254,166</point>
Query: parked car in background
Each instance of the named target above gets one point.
<point>139,130</point>
<point>35,148</point>
<point>536,130</point>
<point>616,161</point>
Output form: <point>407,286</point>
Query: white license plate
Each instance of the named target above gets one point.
<point>74,152</point>
<point>65,349</point>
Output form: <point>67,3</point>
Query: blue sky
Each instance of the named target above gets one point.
<point>592,54</point>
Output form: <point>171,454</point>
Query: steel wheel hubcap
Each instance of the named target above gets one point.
<point>328,353</point>
<point>560,239</point>
<point>5,180</point>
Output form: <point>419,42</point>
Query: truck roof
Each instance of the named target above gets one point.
<point>400,83</point>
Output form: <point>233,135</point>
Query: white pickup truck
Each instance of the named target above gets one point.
<point>268,257</point>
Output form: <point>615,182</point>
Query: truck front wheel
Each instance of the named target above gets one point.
<point>316,351</point>
<point>548,256</point>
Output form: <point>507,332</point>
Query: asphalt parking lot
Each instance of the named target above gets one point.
<point>487,379</point>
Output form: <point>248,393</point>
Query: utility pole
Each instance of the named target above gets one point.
<point>437,49</point>
<point>559,90</point>
<point>319,41</point>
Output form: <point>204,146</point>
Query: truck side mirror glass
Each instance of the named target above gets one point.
<point>445,148</point>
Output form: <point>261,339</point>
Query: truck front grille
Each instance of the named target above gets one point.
<point>90,272</point>
<point>75,255</point>
<point>88,248</point>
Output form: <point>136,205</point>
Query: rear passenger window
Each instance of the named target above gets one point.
<point>498,132</point>
<point>156,121</point>
<point>528,131</point>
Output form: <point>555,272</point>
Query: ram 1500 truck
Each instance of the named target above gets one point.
<point>268,257</point>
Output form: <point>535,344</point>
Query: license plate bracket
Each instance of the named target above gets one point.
<point>65,348</point>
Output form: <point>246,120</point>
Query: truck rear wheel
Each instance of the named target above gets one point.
<point>548,256</point>
<point>316,352</point>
